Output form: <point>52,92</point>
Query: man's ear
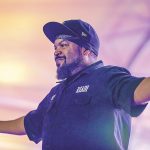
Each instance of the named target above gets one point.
<point>85,52</point>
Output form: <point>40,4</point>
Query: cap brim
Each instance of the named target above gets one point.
<point>53,29</point>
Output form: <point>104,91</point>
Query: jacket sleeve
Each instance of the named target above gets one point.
<point>122,86</point>
<point>33,121</point>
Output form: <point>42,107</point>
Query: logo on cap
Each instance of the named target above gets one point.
<point>84,34</point>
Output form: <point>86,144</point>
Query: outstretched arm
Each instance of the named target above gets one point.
<point>142,92</point>
<point>13,126</point>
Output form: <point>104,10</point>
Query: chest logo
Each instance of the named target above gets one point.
<point>52,98</point>
<point>82,89</point>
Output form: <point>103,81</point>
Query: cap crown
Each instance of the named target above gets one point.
<point>86,32</point>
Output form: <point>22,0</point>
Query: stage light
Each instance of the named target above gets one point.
<point>11,73</point>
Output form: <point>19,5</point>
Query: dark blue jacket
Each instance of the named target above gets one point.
<point>89,111</point>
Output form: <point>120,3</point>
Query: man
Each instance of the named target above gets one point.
<point>91,106</point>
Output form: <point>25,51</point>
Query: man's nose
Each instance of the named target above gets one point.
<point>57,52</point>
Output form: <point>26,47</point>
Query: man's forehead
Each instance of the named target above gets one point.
<point>61,38</point>
<point>59,41</point>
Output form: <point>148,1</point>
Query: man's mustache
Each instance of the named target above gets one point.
<point>60,57</point>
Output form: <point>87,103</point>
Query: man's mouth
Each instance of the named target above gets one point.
<point>59,60</point>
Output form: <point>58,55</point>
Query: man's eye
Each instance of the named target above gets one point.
<point>64,45</point>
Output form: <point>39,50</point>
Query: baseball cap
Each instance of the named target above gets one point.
<point>79,32</point>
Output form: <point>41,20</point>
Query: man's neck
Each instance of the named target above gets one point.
<point>77,70</point>
<point>81,67</point>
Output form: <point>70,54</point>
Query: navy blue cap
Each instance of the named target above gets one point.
<point>83,33</point>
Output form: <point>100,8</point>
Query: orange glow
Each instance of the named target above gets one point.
<point>11,73</point>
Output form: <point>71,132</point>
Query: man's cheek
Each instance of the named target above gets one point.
<point>69,60</point>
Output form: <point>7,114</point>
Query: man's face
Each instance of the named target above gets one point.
<point>67,57</point>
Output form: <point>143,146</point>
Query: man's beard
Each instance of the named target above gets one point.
<point>65,70</point>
